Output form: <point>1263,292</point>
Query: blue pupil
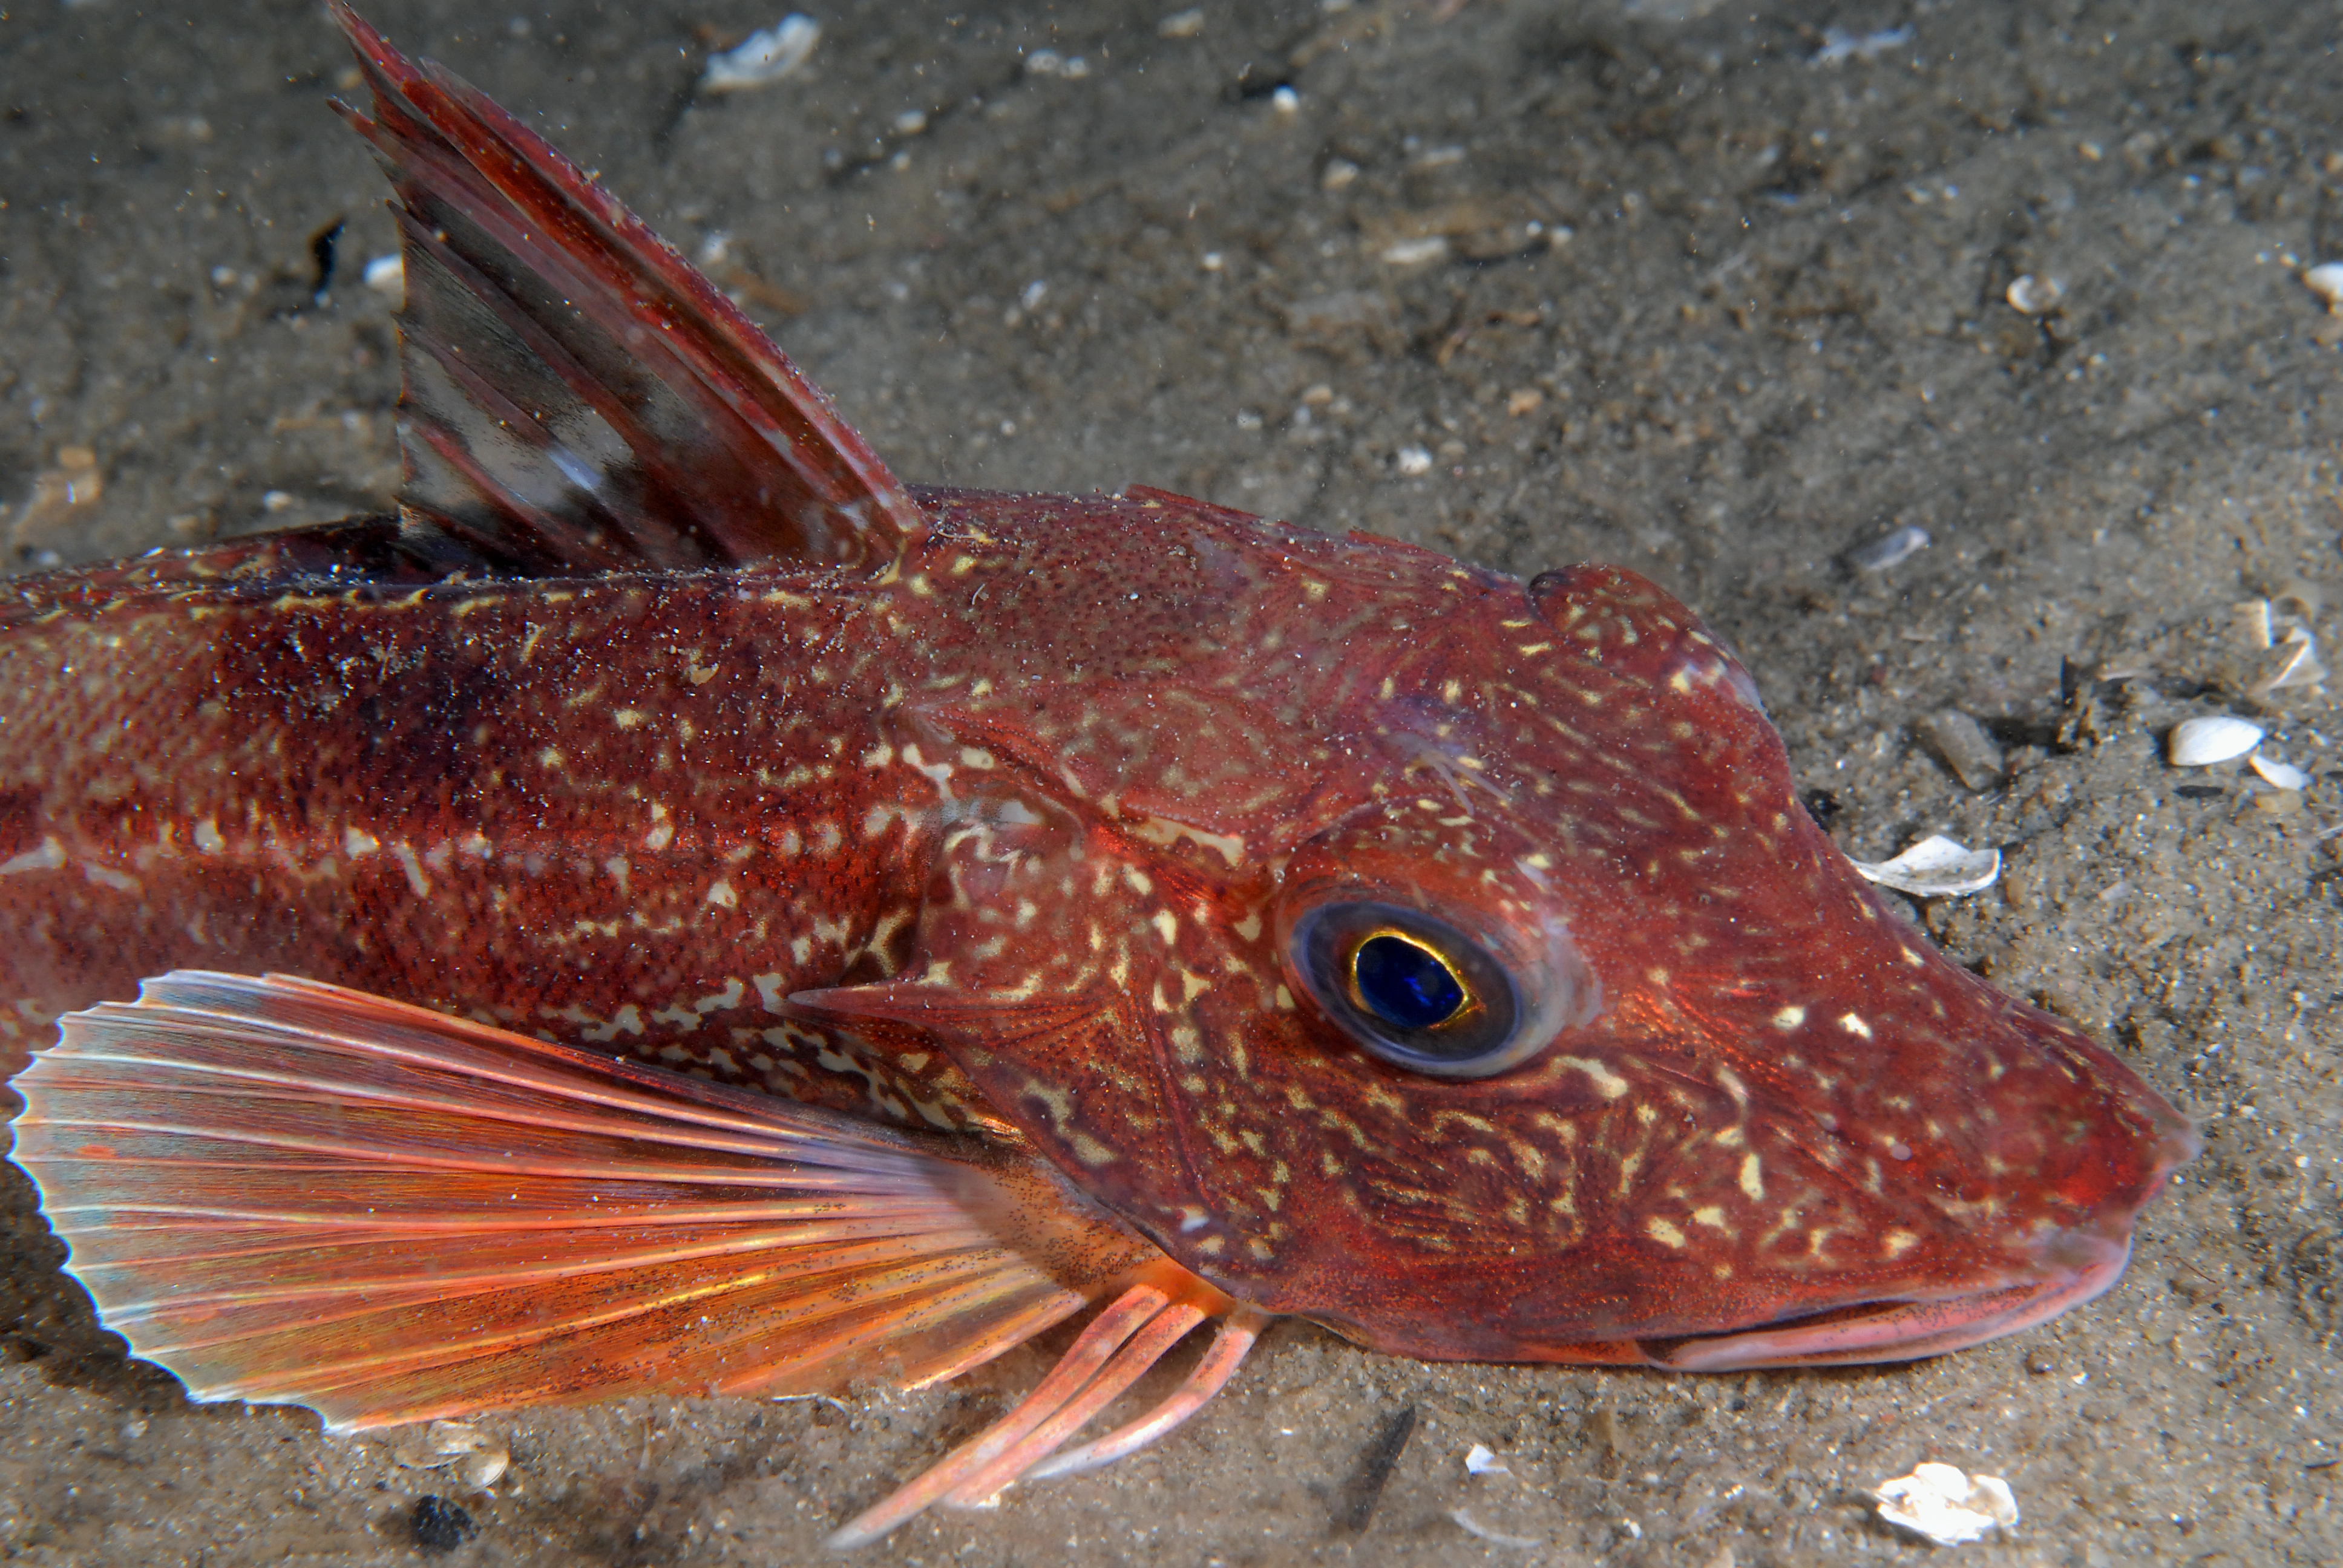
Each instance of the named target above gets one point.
<point>1406,986</point>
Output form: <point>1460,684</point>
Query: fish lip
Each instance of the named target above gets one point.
<point>2081,1265</point>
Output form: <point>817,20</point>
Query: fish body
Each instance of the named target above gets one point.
<point>1357,934</point>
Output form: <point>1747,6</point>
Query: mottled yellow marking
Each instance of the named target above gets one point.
<point>405,855</point>
<point>1090,1151</point>
<point>1664,1231</point>
<point>1790,1016</point>
<point>1853,1023</point>
<point>720,894</point>
<point>551,757</point>
<point>1896,1243</point>
<point>628,718</point>
<point>663,831</point>
<point>357,841</point>
<point>1607,1083</point>
<point>1712,1216</point>
<point>1753,1177</point>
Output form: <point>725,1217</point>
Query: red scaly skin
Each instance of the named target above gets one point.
<point>666,720</point>
<point>1026,810</point>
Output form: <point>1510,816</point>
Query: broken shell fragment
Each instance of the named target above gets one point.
<point>2277,774</point>
<point>2325,280</point>
<point>1949,1506</point>
<point>2202,742</point>
<point>1936,868</point>
<point>1965,746</point>
<point>479,1458</point>
<point>1895,549</point>
<point>771,55</point>
<point>2298,666</point>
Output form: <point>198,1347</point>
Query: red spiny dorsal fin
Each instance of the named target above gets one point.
<point>292,1193</point>
<point>578,396</point>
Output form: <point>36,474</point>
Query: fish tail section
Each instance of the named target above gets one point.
<point>287,1192</point>
<point>578,396</point>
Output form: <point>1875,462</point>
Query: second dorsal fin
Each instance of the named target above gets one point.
<point>578,397</point>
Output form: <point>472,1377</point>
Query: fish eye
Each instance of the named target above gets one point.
<point>1410,988</point>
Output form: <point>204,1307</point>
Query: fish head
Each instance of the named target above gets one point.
<point>1482,991</point>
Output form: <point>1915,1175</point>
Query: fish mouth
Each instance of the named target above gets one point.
<point>2081,1265</point>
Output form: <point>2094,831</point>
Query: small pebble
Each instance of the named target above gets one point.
<point>2033,296</point>
<point>1338,173</point>
<point>1189,24</point>
<point>1417,252</point>
<point>1414,461</point>
<point>2202,742</point>
<point>2325,280</point>
<point>386,274</point>
<point>1286,101</point>
<point>440,1526</point>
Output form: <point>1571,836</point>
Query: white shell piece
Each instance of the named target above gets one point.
<point>1416,252</point>
<point>1936,868</point>
<point>2298,666</point>
<point>2325,280</point>
<point>1482,1460</point>
<point>2202,742</point>
<point>766,57</point>
<point>2278,774</point>
<point>1893,550</point>
<point>2035,296</point>
<point>1947,1506</point>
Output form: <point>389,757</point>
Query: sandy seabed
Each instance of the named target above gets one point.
<point>1722,293</point>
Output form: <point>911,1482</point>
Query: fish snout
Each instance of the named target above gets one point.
<point>2048,1272</point>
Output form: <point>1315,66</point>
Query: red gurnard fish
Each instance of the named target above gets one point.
<point>765,924</point>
